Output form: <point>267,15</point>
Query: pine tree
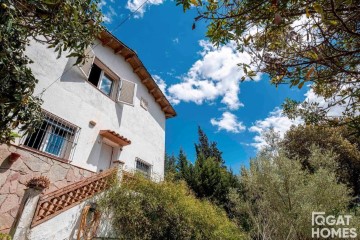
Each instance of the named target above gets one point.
<point>203,146</point>
<point>170,165</point>
<point>208,177</point>
<point>183,167</point>
<point>207,149</point>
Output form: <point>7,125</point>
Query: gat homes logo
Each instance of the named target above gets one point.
<point>330,226</point>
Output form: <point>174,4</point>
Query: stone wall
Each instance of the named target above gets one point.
<point>13,177</point>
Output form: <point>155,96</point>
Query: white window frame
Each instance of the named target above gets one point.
<point>102,75</point>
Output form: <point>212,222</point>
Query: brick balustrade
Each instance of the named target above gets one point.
<point>54,203</point>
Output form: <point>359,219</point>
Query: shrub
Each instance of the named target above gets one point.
<point>142,209</point>
<point>279,196</point>
<point>4,236</point>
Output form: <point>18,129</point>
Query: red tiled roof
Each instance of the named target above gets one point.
<point>115,137</point>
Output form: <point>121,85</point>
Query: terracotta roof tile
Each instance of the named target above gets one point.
<point>115,137</point>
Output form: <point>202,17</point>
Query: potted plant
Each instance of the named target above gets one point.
<point>38,183</point>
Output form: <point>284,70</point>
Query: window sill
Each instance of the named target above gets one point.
<point>25,148</point>
<point>43,153</point>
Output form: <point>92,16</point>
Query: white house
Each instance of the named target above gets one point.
<point>107,109</point>
<point>106,112</point>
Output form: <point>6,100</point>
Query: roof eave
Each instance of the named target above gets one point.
<point>109,40</point>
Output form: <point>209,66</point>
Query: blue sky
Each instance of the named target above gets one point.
<point>202,82</point>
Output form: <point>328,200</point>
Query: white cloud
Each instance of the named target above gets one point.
<point>106,19</point>
<point>282,123</point>
<point>176,40</point>
<point>162,85</point>
<point>215,75</point>
<point>275,120</point>
<point>108,16</point>
<point>101,4</point>
<point>160,82</point>
<point>228,122</point>
<point>334,111</point>
<point>139,6</point>
<point>112,11</point>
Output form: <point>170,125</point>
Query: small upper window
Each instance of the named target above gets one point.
<point>101,80</point>
<point>55,136</point>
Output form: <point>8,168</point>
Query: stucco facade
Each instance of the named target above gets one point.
<point>87,128</point>
<point>73,98</point>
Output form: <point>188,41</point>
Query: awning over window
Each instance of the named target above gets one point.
<point>115,137</point>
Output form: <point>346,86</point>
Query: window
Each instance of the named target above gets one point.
<point>55,136</point>
<point>143,168</point>
<point>103,78</point>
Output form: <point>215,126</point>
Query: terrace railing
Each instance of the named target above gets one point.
<point>56,202</point>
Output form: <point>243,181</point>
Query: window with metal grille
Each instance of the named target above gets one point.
<point>55,136</point>
<point>143,168</point>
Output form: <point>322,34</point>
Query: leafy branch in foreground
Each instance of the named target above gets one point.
<point>295,42</point>
<point>66,26</point>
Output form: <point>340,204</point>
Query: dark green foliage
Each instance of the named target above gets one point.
<point>142,209</point>
<point>207,149</point>
<point>64,25</point>
<point>184,167</point>
<point>208,177</point>
<point>170,165</point>
<point>17,105</point>
<point>210,180</point>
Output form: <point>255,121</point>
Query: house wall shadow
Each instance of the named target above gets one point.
<point>72,72</point>
<point>94,156</point>
<point>5,165</point>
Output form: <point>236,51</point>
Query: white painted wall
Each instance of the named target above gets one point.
<point>60,227</point>
<point>74,99</point>
<point>65,226</point>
